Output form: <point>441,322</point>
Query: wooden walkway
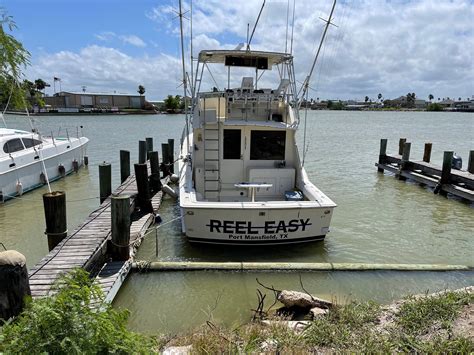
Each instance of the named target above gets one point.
<point>461,183</point>
<point>86,246</point>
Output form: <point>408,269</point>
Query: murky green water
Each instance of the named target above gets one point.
<point>378,218</point>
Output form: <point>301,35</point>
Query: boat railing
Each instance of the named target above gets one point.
<point>256,105</point>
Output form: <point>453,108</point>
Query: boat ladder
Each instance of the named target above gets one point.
<point>211,161</point>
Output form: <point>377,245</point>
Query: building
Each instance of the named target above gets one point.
<point>91,100</point>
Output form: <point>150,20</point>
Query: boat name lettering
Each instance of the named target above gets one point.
<point>269,227</point>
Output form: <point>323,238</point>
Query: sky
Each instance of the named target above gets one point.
<point>391,47</point>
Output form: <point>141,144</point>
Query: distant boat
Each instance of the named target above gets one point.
<point>29,160</point>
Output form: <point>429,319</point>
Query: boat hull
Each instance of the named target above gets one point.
<point>256,226</point>
<point>29,174</point>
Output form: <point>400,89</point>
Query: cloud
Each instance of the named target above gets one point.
<point>109,36</point>
<point>392,47</point>
<point>105,69</point>
<point>133,40</point>
<point>105,36</point>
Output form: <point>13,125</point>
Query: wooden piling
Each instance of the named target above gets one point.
<point>143,187</point>
<point>165,159</point>
<point>55,215</point>
<point>171,154</point>
<point>120,209</point>
<point>446,170</point>
<point>406,154</point>
<point>155,182</point>
<point>105,180</point>
<point>382,154</point>
<point>149,147</point>
<point>142,150</point>
<point>14,284</point>
<point>427,152</point>
<point>470,162</point>
<point>401,143</point>
<point>86,160</point>
<point>124,165</point>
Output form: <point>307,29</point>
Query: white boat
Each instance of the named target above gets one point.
<point>241,177</point>
<point>29,160</point>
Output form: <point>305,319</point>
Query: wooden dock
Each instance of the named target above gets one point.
<point>86,246</point>
<point>442,179</point>
<point>90,246</point>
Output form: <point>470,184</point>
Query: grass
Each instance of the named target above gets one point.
<point>417,325</point>
<point>65,323</point>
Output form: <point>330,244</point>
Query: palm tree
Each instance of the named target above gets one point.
<point>430,97</point>
<point>141,89</point>
<point>379,96</point>
<point>366,99</point>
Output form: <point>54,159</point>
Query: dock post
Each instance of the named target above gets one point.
<point>124,165</point>
<point>14,284</point>
<point>120,209</point>
<point>105,181</point>
<point>141,152</point>
<point>165,159</point>
<point>143,187</point>
<point>155,182</point>
<point>382,154</point>
<point>86,160</point>
<point>446,172</point>
<point>149,147</point>
<point>401,143</point>
<point>405,160</point>
<point>55,215</point>
<point>171,154</point>
<point>427,152</point>
<point>470,162</point>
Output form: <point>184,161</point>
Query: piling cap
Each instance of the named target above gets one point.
<point>12,258</point>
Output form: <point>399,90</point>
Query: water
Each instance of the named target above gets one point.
<point>378,218</point>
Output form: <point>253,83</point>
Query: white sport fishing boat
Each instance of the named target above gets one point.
<point>242,180</point>
<point>30,160</point>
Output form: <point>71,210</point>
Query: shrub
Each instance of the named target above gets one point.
<point>67,322</point>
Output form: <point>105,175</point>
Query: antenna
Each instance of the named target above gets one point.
<point>185,88</point>
<point>292,27</point>
<point>255,26</point>
<point>306,81</point>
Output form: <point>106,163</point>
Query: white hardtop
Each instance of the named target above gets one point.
<point>4,132</point>
<point>219,56</point>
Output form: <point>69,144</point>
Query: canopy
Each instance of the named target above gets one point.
<point>244,58</point>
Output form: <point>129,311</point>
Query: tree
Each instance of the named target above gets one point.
<point>366,99</point>
<point>40,84</point>
<point>172,103</point>
<point>430,97</point>
<point>141,89</point>
<point>379,96</point>
<point>411,100</point>
<point>13,58</point>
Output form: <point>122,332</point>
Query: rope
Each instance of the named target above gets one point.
<point>39,200</point>
<point>55,234</point>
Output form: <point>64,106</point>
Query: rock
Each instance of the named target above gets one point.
<point>302,300</point>
<point>177,350</point>
<point>296,326</point>
<point>317,312</point>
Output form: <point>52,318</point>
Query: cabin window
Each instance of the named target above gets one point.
<point>267,145</point>
<point>30,142</point>
<point>232,143</point>
<point>13,145</point>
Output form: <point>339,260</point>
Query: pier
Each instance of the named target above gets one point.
<point>443,179</point>
<point>97,245</point>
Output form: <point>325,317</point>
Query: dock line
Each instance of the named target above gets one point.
<point>282,266</point>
